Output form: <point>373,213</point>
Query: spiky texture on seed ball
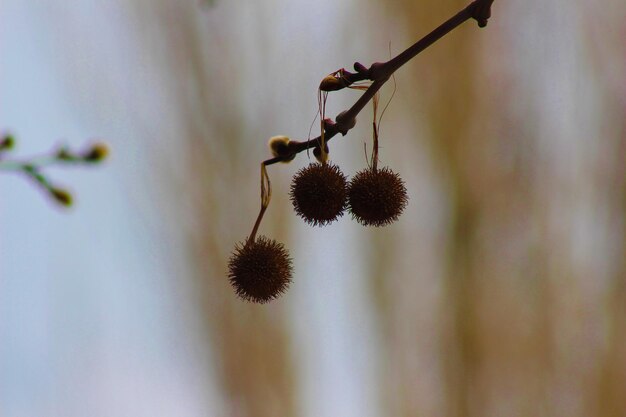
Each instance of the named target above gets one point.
<point>318,193</point>
<point>260,271</point>
<point>376,198</point>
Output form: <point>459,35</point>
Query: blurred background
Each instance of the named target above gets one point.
<point>500,291</point>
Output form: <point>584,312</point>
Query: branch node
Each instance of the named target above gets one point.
<point>379,71</point>
<point>481,11</point>
<point>358,67</point>
<point>344,124</point>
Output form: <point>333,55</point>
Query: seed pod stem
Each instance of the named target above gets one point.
<point>375,147</point>
<point>374,162</point>
<point>266,195</point>
<point>257,223</point>
<point>321,98</point>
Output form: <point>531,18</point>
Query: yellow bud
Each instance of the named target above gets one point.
<point>331,83</point>
<point>96,153</point>
<point>279,146</point>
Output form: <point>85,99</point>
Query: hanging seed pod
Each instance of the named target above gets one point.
<point>376,197</point>
<point>318,193</point>
<point>260,271</point>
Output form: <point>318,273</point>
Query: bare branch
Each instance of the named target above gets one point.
<point>379,73</point>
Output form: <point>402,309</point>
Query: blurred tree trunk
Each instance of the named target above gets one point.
<point>443,79</point>
<point>217,197</point>
<point>515,315</point>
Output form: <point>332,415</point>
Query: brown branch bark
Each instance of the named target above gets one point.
<point>379,73</point>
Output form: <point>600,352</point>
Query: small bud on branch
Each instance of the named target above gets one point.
<point>33,167</point>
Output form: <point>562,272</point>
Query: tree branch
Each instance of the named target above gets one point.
<point>378,73</point>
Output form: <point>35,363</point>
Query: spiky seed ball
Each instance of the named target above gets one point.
<point>260,271</point>
<point>377,198</point>
<point>318,193</point>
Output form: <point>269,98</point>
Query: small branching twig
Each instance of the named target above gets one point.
<point>33,167</point>
<point>378,73</point>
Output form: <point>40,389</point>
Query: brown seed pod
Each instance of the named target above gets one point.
<point>376,197</point>
<point>260,271</point>
<point>318,193</point>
